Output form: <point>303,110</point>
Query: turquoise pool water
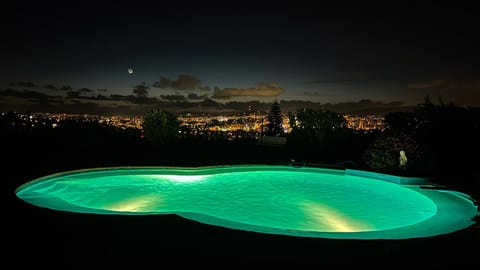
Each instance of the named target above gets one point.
<point>310,202</point>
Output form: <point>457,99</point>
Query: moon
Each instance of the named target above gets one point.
<point>130,71</point>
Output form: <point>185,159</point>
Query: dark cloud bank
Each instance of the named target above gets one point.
<point>84,101</point>
<point>191,95</point>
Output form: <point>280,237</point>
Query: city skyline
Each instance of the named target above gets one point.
<point>232,127</point>
<point>132,57</point>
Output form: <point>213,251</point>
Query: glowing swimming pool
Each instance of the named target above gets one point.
<point>309,202</point>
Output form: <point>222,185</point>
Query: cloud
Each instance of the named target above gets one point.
<point>73,94</point>
<point>445,84</point>
<point>50,86</point>
<point>379,77</point>
<point>78,93</point>
<point>66,88</point>
<point>174,97</point>
<point>205,88</point>
<point>117,97</point>
<point>428,84</point>
<point>184,82</point>
<point>316,94</point>
<point>193,96</point>
<point>28,100</point>
<point>368,107</point>
<point>260,90</point>
<point>102,90</point>
<point>24,84</point>
<point>133,99</point>
<point>163,83</point>
<point>85,90</point>
<point>141,90</point>
<point>338,80</point>
<point>101,97</point>
<point>28,94</point>
<point>459,91</point>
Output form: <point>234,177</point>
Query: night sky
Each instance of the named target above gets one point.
<point>229,53</point>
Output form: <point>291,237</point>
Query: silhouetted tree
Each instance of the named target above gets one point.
<point>317,135</point>
<point>321,120</point>
<point>315,125</point>
<point>450,136</point>
<point>292,120</point>
<point>405,122</point>
<point>141,90</point>
<point>275,120</point>
<point>160,127</point>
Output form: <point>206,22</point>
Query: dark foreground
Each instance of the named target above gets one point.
<point>42,237</point>
<point>52,238</point>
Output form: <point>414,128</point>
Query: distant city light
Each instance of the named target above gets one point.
<point>233,126</point>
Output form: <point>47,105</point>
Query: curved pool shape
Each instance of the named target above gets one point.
<point>311,202</point>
